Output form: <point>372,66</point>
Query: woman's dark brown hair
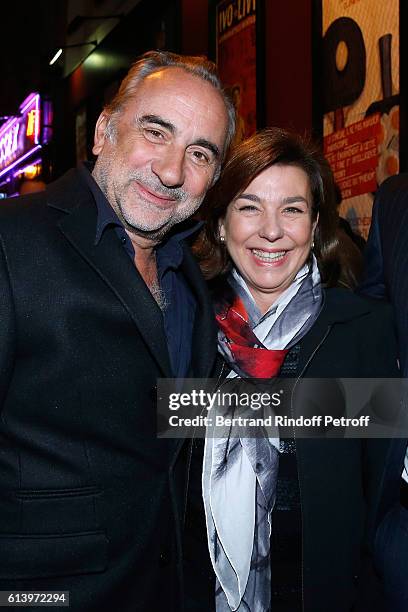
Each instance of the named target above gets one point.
<point>266,148</point>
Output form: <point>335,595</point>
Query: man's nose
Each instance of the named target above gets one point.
<point>169,167</point>
<point>271,227</point>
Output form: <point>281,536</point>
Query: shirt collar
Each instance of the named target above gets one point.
<point>170,252</point>
<point>105,213</point>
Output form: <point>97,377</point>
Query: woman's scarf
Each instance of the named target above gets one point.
<point>239,473</point>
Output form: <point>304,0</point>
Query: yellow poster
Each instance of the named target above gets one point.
<point>361,100</point>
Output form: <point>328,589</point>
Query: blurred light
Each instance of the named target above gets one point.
<point>95,60</point>
<point>30,171</point>
<point>32,123</point>
<point>59,52</point>
<point>56,56</point>
<point>20,159</point>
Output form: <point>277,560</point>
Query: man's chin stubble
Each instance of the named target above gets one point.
<point>155,235</point>
<point>159,233</point>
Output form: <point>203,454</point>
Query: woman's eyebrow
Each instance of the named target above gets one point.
<point>293,199</point>
<point>248,196</point>
<point>288,200</point>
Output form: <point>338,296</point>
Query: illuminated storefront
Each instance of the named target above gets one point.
<point>23,141</point>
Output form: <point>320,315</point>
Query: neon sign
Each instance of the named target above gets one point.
<point>32,123</point>
<point>9,144</point>
<point>20,135</point>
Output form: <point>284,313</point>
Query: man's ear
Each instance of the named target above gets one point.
<point>99,137</point>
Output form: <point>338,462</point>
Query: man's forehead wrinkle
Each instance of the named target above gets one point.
<point>190,103</point>
<point>170,76</point>
<point>182,104</point>
<point>158,120</point>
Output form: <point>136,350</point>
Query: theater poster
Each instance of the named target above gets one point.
<point>361,100</point>
<point>236,51</point>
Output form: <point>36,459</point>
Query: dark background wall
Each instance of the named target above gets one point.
<point>288,59</point>
<point>32,32</point>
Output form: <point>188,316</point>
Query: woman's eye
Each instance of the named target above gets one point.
<point>248,208</point>
<point>293,210</point>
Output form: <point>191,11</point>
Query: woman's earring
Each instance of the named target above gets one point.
<point>222,238</point>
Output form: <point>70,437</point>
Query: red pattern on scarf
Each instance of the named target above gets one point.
<point>255,361</point>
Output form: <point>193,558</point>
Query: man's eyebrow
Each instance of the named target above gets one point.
<point>158,121</point>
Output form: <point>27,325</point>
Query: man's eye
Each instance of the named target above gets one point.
<point>153,134</point>
<point>201,158</point>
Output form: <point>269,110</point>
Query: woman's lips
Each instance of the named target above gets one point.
<point>269,258</point>
<point>153,197</point>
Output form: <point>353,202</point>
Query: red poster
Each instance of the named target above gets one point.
<point>236,59</point>
<point>353,156</point>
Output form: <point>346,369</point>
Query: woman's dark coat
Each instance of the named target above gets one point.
<point>340,480</point>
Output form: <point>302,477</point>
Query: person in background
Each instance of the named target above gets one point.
<point>385,277</point>
<point>345,225</point>
<point>270,250</point>
<point>101,296</point>
<point>350,249</point>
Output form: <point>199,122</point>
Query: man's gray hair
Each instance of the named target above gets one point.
<point>154,61</point>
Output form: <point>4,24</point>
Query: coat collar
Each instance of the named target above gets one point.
<point>67,192</point>
<point>339,307</point>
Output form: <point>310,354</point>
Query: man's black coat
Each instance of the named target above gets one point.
<point>386,255</point>
<point>90,500</point>
<point>386,276</point>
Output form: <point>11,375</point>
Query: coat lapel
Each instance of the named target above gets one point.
<point>333,312</point>
<point>117,270</point>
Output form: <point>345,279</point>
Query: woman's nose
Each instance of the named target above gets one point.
<point>271,227</point>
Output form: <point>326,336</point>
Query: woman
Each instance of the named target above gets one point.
<point>271,250</point>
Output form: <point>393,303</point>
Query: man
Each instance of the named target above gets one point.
<point>386,265</point>
<point>100,296</point>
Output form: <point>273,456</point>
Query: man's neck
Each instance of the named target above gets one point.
<point>145,260</point>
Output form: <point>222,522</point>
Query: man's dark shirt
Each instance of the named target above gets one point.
<point>178,315</point>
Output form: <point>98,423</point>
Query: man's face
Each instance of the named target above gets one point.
<point>168,147</point>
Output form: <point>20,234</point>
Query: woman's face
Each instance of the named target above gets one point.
<point>268,231</point>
